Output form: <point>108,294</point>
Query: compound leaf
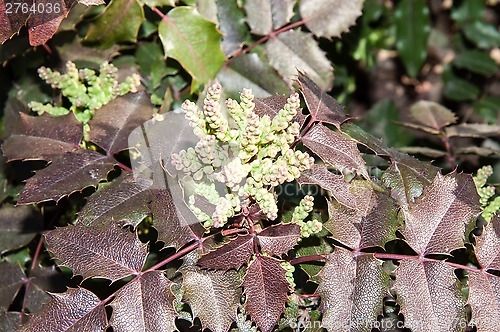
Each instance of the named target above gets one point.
<point>340,152</point>
<point>108,28</point>
<point>335,184</point>
<point>372,224</point>
<point>352,290</point>
<point>266,289</point>
<point>113,123</point>
<point>429,295</point>
<point>125,201</point>
<point>213,296</point>
<point>436,222</point>
<point>12,280</point>
<point>42,137</point>
<point>329,18</point>
<point>75,310</point>
<point>230,255</point>
<point>278,239</point>
<point>144,304</point>
<point>18,226</point>
<point>193,41</point>
<point>106,252</point>
<point>71,172</point>
<point>296,50</point>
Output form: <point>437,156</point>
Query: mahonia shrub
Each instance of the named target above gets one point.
<point>373,241</point>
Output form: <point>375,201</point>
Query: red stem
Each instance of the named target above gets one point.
<point>124,167</point>
<point>232,231</point>
<point>305,259</point>
<point>178,254</point>
<point>449,154</point>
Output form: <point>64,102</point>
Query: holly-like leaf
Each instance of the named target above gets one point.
<point>12,280</point>
<point>432,114</point>
<point>277,240</point>
<point>334,149</point>
<point>108,28</point>
<point>430,297</point>
<point>213,296</point>
<point>264,16</point>
<point>75,310</point>
<point>230,255</point>
<point>42,280</point>
<point>144,304</point>
<point>330,18</point>
<point>113,123</point>
<point>71,172</point>
<point>42,137</point>
<point>352,290</point>
<point>266,290</point>
<point>436,222</point>
<point>42,25</point>
<point>106,252</point>
<point>372,224</point>
<point>488,245</point>
<point>125,201</point>
<point>321,176</point>
<point>473,130</point>
<point>322,107</point>
<point>181,31</point>
<point>232,25</point>
<point>18,226</point>
<point>294,51</point>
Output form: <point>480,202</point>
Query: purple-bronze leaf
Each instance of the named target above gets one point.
<point>322,107</point>
<point>430,297</point>
<point>41,281</point>
<point>18,226</point>
<point>277,240</point>
<point>266,290</point>
<point>230,255</point>
<point>113,123</point>
<point>11,281</point>
<point>270,106</point>
<point>352,290</point>
<point>144,304</point>
<point>125,201</point>
<point>334,149</point>
<point>106,252</point>
<point>373,224</point>
<point>75,310</point>
<point>436,222</point>
<point>488,245</point>
<point>213,296</point>
<point>431,114</point>
<point>42,137</point>
<point>71,172</point>
<point>321,176</point>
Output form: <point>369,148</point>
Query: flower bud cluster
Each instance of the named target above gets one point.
<point>290,269</point>
<point>265,199</point>
<point>307,228</point>
<point>213,114</point>
<point>486,192</point>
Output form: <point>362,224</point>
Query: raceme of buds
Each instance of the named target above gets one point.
<point>486,192</point>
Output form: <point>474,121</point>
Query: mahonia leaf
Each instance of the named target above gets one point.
<point>75,310</point>
<point>484,288</point>
<point>18,226</point>
<point>271,106</point>
<point>334,149</point>
<point>329,18</point>
<point>230,255</point>
<point>436,222</point>
<point>232,25</point>
<point>429,295</point>
<point>322,107</point>
<point>107,252</point>
<point>277,240</point>
<point>352,289</point>
<point>144,304</point>
<point>41,281</point>
<point>264,16</point>
<point>12,280</point>
<point>335,184</point>
<point>71,172</point>
<point>181,31</point>
<point>42,25</point>
<point>125,201</point>
<point>213,296</point>
<point>108,28</point>
<point>113,123</point>
<point>10,321</point>
<point>266,289</point>
<point>479,130</point>
<point>42,137</point>
<point>294,51</point>
<point>432,114</point>
<point>372,224</point>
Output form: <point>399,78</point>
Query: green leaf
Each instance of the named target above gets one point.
<point>232,25</point>
<point>153,66</point>
<point>296,50</point>
<point>264,16</point>
<point>460,90</point>
<point>193,41</point>
<point>468,11</point>
<point>330,18</point>
<point>119,22</point>
<point>476,61</point>
<point>482,34</point>
<point>412,31</point>
<point>487,108</point>
<point>313,245</point>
